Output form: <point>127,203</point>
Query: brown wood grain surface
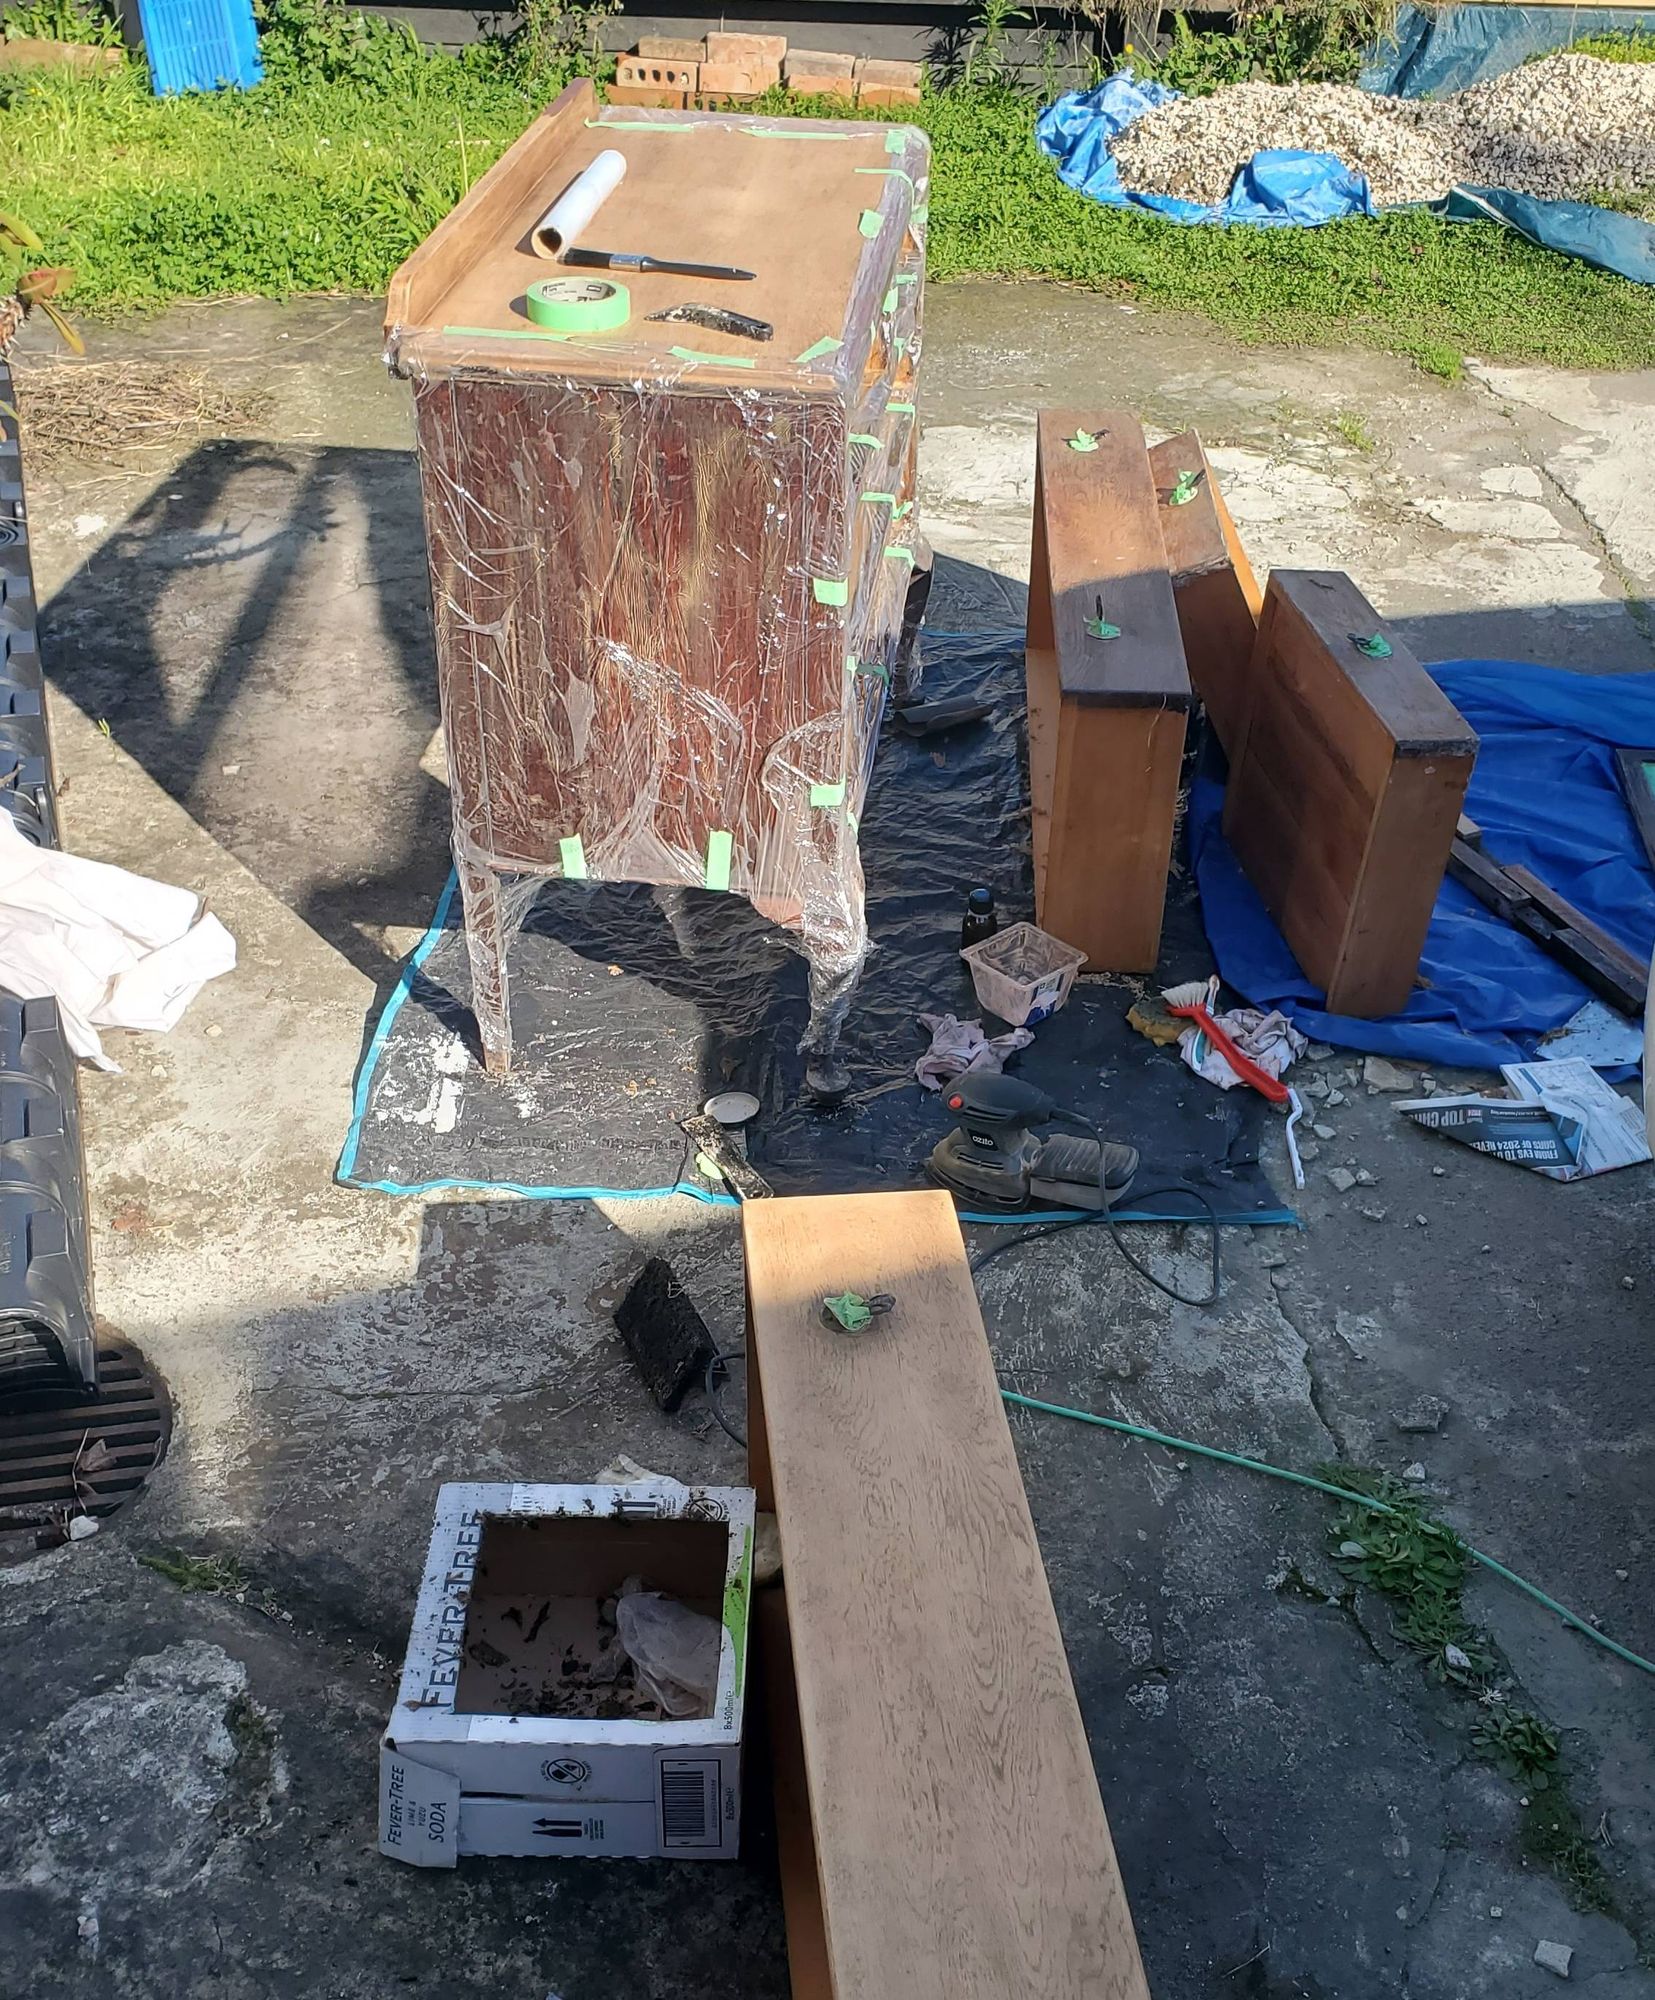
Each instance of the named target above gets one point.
<point>1213,584</point>
<point>961,1846</point>
<point>700,187</point>
<point>1345,786</point>
<point>1106,716</point>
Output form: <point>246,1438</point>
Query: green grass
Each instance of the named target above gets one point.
<point>325,184</point>
<point>1354,430</point>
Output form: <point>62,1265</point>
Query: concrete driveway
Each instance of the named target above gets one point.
<point>189,1776</point>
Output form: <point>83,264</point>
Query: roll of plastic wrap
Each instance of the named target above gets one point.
<point>578,305</point>
<point>563,222</point>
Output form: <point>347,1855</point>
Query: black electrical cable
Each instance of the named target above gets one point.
<point>1103,1215</point>
<point>717,1362</point>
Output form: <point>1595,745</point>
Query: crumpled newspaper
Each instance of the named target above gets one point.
<point>1271,1040</point>
<point>957,1046</point>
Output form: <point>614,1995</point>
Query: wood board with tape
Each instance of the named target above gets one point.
<point>962,1852</point>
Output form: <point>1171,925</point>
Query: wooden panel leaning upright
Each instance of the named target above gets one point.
<point>960,1846</point>
<point>1345,788</point>
<point>1107,690</point>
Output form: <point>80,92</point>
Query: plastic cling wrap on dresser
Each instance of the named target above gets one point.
<point>669,566</point>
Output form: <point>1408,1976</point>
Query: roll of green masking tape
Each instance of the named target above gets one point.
<point>578,305</point>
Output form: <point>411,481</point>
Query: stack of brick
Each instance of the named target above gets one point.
<point>674,73</point>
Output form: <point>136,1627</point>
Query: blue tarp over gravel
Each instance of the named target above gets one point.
<point>1302,190</point>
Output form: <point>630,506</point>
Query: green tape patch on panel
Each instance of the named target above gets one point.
<point>904,509</point>
<point>828,795</point>
<point>573,857</point>
<point>818,348</point>
<point>888,303</point>
<point>694,355</point>
<point>872,222</point>
<point>921,215</point>
<point>852,821</point>
<point>830,589</point>
<point>782,132</point>
<point>906,278</point>
<point>901,555</point>
<point>900,409</point>
<point>720,848</point>
<point>864,437</point>
<point>640,125</point>
<point>896,140</point>
<point>891,174</point>
<point>887,499</point>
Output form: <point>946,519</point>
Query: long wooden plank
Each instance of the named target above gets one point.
<point>961,1846</point>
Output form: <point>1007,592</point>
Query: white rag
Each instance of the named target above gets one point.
<point>1271,1040</point>
<point>958,1046</point>
<point>115,950</point>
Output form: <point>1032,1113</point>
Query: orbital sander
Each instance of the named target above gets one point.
<point>994,1157</point>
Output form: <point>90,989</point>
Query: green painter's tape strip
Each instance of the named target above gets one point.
<point>888,499</point>
<point>573,856</point>
<point>871,223</point>
<point>901,555</point>
<point>828,795</point>
<point>641,125</point>
<point>903,511</point>
<point>852,665</point>
<point>852,821</point>
<point>694,355</point>
<point>888,303</point>
<point>906,278</point>
<point>875,670</point>
<point>896,141</point>
<point>900,409</point>
<point>738,1598</point>
<point>818,348</point>
<point>502,333</point>
<point>901,347</point>
<point>830,589</point>
<point>890,173</point>
<point>720,847</point>
<point>864,437</point>
<point>921,215</point>
<point>782,132</point>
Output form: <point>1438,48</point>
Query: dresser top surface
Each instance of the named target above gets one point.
<point>817,210</point>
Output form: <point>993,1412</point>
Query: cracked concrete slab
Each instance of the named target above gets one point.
<point>1298,1807</point>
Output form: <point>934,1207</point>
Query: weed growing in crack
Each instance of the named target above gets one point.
<point>1420,1565</point>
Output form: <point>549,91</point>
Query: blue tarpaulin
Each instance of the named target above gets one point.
<point>1434,51</point>
<point>1545,793</point>
<point>1301,190</point>
<point>1273,189</point>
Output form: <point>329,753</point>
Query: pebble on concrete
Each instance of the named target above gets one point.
<point>1425,1415</point>
<point>1554,1957</point>
<point>1378,1074</point>
<point>1342,1178</point>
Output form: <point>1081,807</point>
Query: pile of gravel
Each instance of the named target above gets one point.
<point>1567,126</point>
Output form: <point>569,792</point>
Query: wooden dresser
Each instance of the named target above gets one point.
<point>669,565</point>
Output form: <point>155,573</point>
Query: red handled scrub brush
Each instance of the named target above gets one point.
<point>1195,1000</point>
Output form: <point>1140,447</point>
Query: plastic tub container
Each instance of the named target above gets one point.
<point>1022,974</point>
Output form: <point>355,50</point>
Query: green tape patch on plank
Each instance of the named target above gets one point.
<point>640,125</point>
<point>503,333</point>
<point>818,348</point>
<point>901,555</point>
<point>782,132</point>
<point>830,589</point>
<point>573,857</point>
<point>900,409</point>
<point>828,795</point>
<point>720,849</point>
<point>882,499</point>
<point>864,437</point>
<point>871,223</point>
<point>694,355</point>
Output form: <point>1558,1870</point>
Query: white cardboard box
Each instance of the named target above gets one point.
<point>470,1763</point>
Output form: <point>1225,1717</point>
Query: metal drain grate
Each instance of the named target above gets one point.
<point>64,1453</point>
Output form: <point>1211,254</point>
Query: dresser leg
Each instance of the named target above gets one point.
<point>485,940</point>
